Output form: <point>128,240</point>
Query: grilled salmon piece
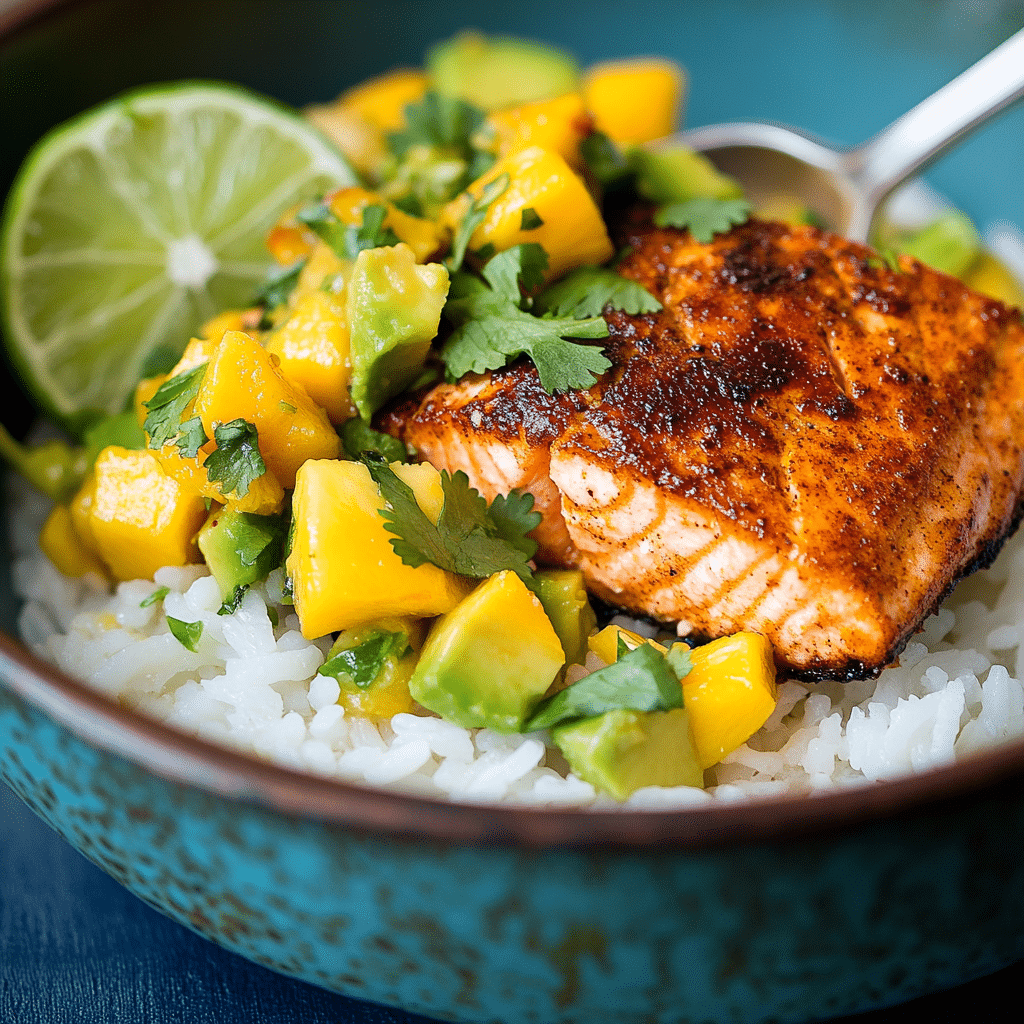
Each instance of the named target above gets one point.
<point>803,442</point>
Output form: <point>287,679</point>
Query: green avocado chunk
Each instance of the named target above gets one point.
<point>622,751</point>
<point>492,73</point>
<point>489,661</point>
<point>241,548</point>
<point>950,244</point>
<point>394,308</point>
<point>676,174</point>
<point>564,597</point>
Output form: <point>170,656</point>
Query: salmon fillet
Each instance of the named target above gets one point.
<point>803,442</point>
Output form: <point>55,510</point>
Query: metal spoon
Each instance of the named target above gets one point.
<point>846,186</point>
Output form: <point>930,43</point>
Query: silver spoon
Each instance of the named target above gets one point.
<point>847,186</point>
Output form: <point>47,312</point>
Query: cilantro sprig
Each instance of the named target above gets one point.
<point>491,327</point>
<point>640,680</point>
<point>586,291</point>
<point>236,461</point>
<point>470,538</point>
<point>348,240</point>
<point>363,664</point>
<point>475,216</point>
<point>167,406</point>
<point>704,218</point>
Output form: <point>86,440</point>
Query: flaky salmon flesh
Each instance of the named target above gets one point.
<point>803,442</point>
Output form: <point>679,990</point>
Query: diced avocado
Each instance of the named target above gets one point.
<point>950,244</point>
<point>241,548</point>
<point>564,597</point>
<point>622,751</point>
<point>675,174</point>
<point>789,209</point>
<point>991,278</point>
<point>490,660</point>
<point>394,308</point>
<point>373,664</point>
<point>492,73</point>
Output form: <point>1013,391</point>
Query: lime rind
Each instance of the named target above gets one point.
<point>134,222</point>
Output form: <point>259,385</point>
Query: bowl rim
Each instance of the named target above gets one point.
<point>200,764</point>
<point>190,761</point>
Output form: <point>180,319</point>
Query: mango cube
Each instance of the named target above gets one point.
<point>60,542</point>
<point>559,125</point>
<point>635,100</point>
<point>343,569</point>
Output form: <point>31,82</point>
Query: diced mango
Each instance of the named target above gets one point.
<point>343,569</point>
<point>425,237</point>
<point>313,347</point>
<point>383,100</point>
<point>80,511</point>
<point>229,320</point>
<point>635,100</point>
<point>140,517</point>
<point>289,241</point>
<point>243,381</point>
<point>264,497</point>
<point>323,264</point>
<point>363,143</point>
<point>197,352</point>
<point>729,693</point>
<point>60,542</point>
<point>572,230</point>
<point>559,125</point>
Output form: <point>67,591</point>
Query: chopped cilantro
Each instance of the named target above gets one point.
<point>679,660</point>
<point>603,158</point>
<point>517,270</point>
<point>158,595</point>
<point>474,218</point>
<point>441,122</point>
<point>347,240</point>
<point>363,663</point>
<point>358,437</point>
<point>704,218</point>
<point>587,290</point>
<point>191,438</point>
<point>641,680</point>
<point>188,634</point>
<point>530,220</point>
<point>163,420</point>
<point>236,461</point>
<point>279,285</point>
<point>469,538</point>
<point>233,600</point>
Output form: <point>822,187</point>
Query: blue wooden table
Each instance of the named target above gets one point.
<point>77,948</point>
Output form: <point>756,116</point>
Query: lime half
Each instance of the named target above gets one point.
<point>132,224</point>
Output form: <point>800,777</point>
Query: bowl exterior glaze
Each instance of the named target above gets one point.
<point>786,930</point>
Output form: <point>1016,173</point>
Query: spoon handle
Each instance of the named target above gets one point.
<point>923,133</point>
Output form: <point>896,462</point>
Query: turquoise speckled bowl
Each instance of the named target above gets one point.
<point>783,910</point>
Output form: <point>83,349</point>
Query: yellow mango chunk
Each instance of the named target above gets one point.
<point>313,347</point>
<point>729,693</point>
<point>423,236</point>
<point>140,517</point>
<point>990,277</point>
<point>264,497</point>
<point>572,231</point>
<point>80,511</point>
<point>244,381</point>
<point>635,100</point>
<point>322,264</point>
<point>559,125</point>
<point>343,569</point>
<point>60,542</point>
<point>229,320</point>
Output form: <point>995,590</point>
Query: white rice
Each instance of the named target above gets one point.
<point>253,685</point>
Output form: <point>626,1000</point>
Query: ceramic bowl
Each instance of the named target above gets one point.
<point>787,909</point>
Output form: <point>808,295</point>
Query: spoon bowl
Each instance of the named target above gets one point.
<point>846,187</point>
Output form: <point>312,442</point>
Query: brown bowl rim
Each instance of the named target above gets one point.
<point>201,764</point>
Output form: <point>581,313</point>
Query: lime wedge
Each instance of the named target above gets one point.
<point>135,222</point>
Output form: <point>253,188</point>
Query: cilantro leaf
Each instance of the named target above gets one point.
<point>188,634</point>
<point>437,121</point>
<point>603,158</point>
<point>516,270</point>
<point>364,663</point>
<point>679,660</point>
<point>158,595</point>
<point>191,438</point>
<point>236,461</point>
<point>347,240</point>
<point>704,218</point>
<point>358,436</point>
<point>587,290</point>
<point>163,420</point>
<point>468,538</point>
<point>501,333</point>
<point>279,285</point>
<point>641,680</point>
<point>474,217</point>
<point>530,219</point>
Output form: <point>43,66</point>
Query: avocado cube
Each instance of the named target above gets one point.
<point>676,174</point>
<point>565,601</point>
<point>489,661</point>
<point>622,751</point>
<point>241,548</point>
<point>394,308</point>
